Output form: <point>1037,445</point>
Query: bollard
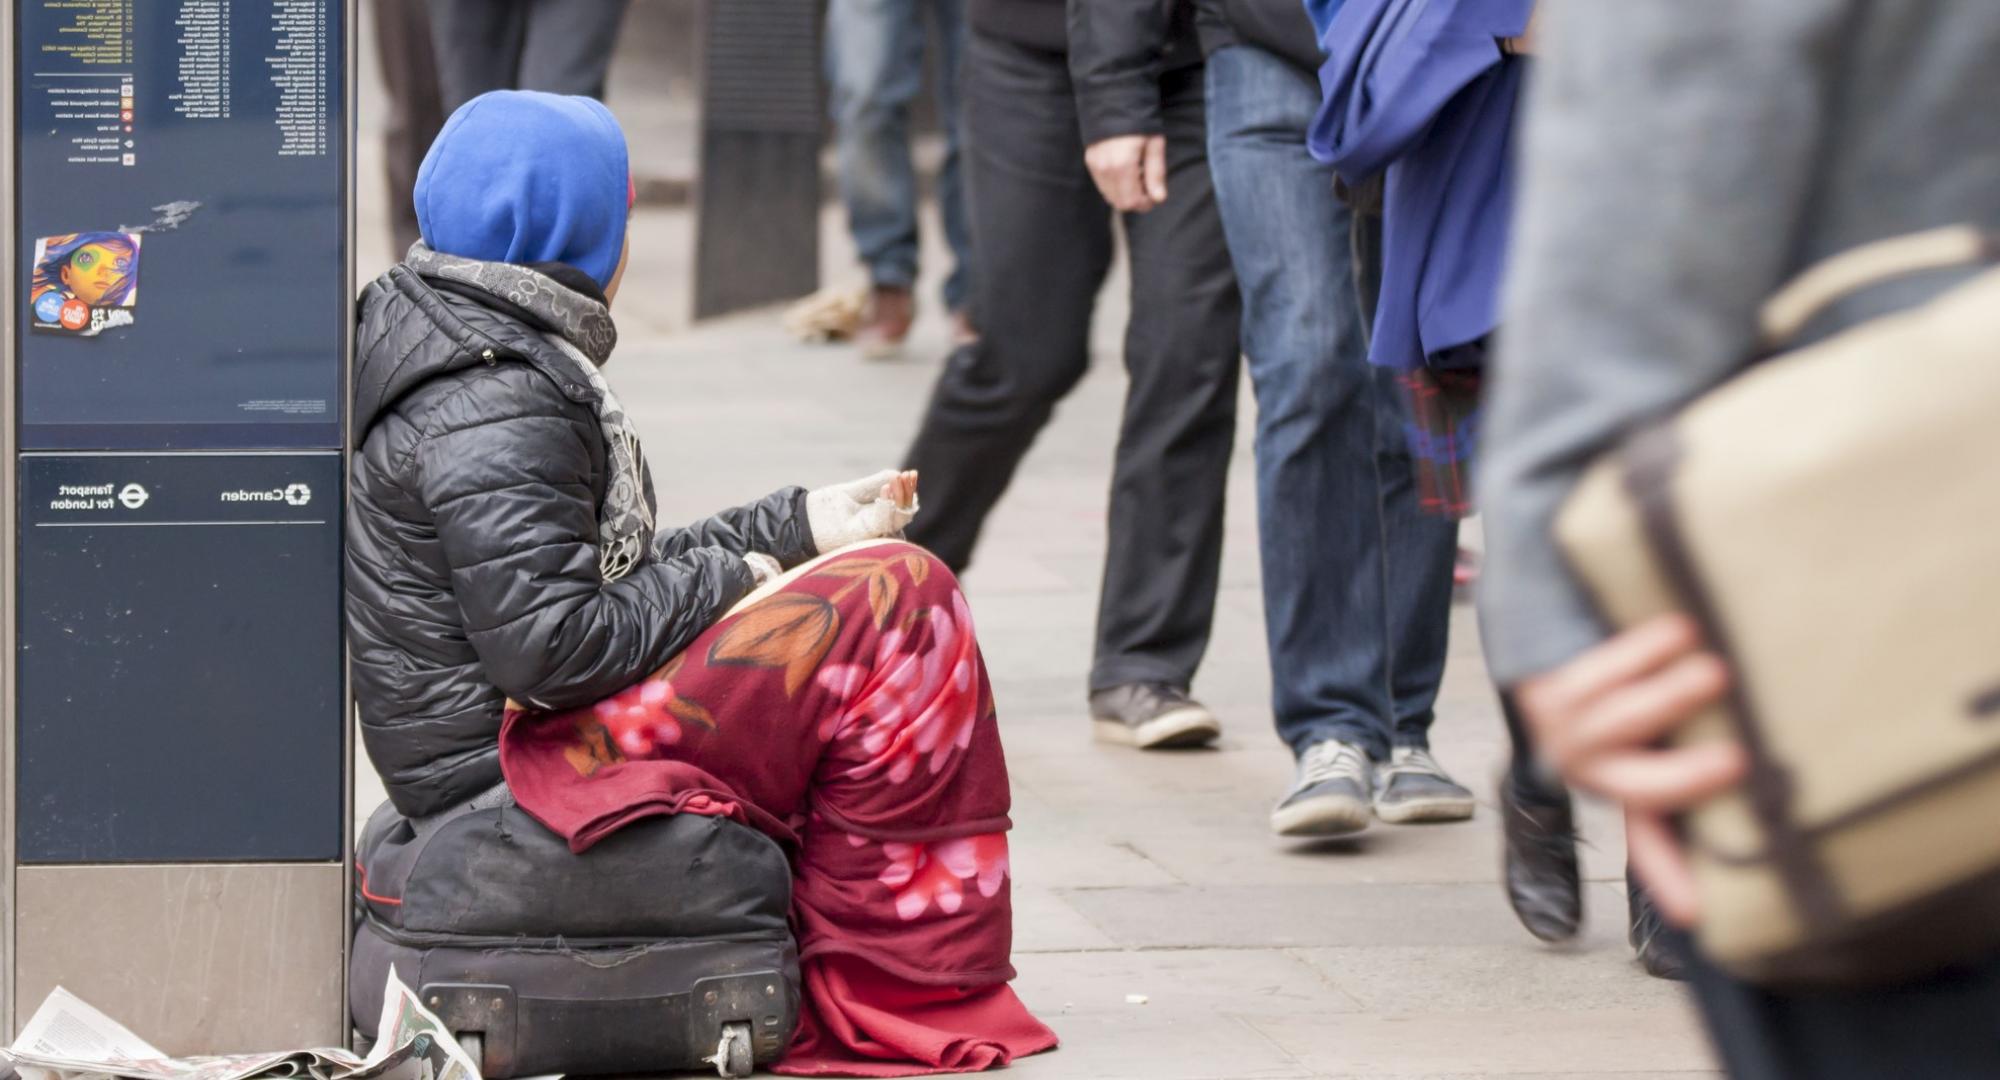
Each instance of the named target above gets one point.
<point>758,184</point>
<point>178,301</point>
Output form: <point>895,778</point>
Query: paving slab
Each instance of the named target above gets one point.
<point>1266,982</point>
<point>1701,1074</point>
<point>1044,921</point>
<point>1138,1043</point>
<point>1595,1042</point>
<point>1290,916</point>
<point>1595,973</point>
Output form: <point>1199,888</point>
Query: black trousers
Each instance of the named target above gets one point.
<point>561,46</point>
<point>409,73</point>
<point>1940,1028</point>
<point>1043,240</point>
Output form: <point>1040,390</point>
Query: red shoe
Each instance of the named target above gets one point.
<point>963,333</point>
<point>1465,572</point>
<point>891,310</point>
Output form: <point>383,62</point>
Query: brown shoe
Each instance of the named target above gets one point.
<point>891,310</point>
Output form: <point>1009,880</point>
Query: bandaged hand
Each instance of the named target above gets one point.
<point>763,568</point>
<point>872,508</point>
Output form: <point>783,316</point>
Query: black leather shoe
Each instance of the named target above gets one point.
<point>1652,940</point>
<point>1543,882</point>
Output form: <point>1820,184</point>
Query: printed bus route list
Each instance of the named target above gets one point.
<point>99,33</point>
<point>203,27</point>
<point>298,70</point>
<point>92,108</point>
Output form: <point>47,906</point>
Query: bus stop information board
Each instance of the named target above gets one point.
<point>181,314</point>
<point>181,245</point>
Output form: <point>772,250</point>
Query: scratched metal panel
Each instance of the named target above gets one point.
<point>759,185</point>
<point>194,959</point>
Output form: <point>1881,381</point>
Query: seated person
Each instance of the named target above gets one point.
<point>514,608</point>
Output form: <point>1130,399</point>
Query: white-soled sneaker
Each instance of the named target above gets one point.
<point>1330,795</point>
<point>1414,788</point>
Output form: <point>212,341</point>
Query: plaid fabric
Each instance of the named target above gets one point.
<point>1443,430</point>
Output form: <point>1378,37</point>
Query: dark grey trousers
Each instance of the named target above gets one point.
<point>1042,238</point>
<point>1939,1028</point>
<point>409,73</point>
<point>561,46</point>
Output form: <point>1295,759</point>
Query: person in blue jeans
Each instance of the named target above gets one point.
<point>875,65</point>
<point>1357,579</point>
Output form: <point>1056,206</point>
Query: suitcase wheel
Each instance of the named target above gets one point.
<point>732,1052</point>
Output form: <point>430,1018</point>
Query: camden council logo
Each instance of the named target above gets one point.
<point>290,495</point>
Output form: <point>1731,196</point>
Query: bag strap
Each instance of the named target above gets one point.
<point>1834,279</point>
<point>1649,462</point>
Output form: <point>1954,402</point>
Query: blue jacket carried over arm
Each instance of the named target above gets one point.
<point>1420,90</point>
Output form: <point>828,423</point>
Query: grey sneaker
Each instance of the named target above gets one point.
<point>1151,716</point>
<point>1330,796</point>
<point>1413,787</point>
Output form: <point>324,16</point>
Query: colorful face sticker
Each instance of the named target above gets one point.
<point>84,283</point>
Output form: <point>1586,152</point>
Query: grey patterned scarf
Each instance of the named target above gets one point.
<point>584,338</point>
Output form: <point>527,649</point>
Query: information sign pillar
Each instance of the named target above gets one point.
<point>178,301</point>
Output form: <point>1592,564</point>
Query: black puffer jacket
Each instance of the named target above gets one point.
<point>472,568</point>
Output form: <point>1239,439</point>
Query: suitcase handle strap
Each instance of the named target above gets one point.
<point>1834,279</point>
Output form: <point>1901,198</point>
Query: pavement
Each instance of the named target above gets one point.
<point>1154,876</point>
<point>1159,927</point>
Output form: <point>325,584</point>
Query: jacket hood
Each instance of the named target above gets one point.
<point>413,329</point>
<point>518,176</point>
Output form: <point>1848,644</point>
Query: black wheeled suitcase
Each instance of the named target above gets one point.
<point>665,947</point>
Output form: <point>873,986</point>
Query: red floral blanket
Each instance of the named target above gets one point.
<point>849,716</point>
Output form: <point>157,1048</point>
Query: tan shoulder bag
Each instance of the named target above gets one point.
<point>1831,517</point>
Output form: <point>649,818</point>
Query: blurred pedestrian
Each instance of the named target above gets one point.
<point>1067,129</point>
<point>414,113</point>
<point>1418,117</point>
<point>1357,577</point>
<point>561,46</point>
<point>1681,161</point>
<point>875,63</point>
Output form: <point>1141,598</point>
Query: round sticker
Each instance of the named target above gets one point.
<point>49,308</point>
<point>75,315</point>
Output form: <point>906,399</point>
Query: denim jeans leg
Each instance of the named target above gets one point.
<point>875,59</point>
<point>1417,565</point>
<point>1417,562</point>
<point>948,22</point>
<point>1321,526</point>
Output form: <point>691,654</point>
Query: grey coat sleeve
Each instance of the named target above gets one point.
<point>507,482</point>
<point>1668,156</point>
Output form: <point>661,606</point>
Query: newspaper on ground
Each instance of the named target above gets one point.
<point>68,1039</point>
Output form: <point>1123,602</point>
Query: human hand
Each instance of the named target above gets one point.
<point>871,508</point>
<point>1599,719</point>
<point>763,568</point>
<point>1525,44</point>
<point>1130,171</point>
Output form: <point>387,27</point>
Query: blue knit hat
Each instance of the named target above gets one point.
<point>520,176</point>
